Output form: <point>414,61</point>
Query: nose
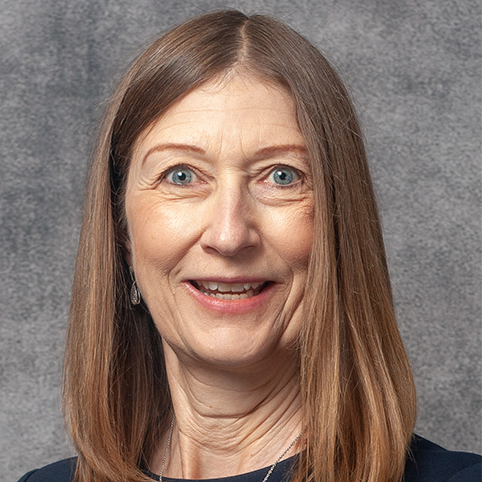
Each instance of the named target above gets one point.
<point>230,223</point>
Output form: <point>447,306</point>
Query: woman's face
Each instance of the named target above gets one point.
<point>220,216</point>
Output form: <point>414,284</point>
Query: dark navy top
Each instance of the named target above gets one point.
<point>427,462</point>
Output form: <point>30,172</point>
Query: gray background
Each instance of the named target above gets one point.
<point>414,69</point>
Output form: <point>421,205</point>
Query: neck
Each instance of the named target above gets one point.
<point>230,421</point>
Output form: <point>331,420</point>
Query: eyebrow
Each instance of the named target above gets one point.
<point>263,153</point>
<point>282,149</point>
<point>173,147</point>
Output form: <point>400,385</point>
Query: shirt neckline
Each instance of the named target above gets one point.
<point>259,474</point>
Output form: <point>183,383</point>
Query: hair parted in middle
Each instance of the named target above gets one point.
<point>356,383</point>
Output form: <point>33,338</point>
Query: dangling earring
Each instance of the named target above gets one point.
<point>135,295</point>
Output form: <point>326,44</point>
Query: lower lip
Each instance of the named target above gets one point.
<point>230,306</point>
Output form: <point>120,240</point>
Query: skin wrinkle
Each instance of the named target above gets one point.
<point>231,445</point>
<point>228,444</point>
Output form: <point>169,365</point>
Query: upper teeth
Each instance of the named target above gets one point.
<point>227,287</point>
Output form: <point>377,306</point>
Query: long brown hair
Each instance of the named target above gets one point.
<point>356,383</point>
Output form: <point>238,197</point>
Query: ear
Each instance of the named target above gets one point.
<point>128,252</point>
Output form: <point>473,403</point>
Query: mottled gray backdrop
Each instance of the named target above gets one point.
<point>414,69</point>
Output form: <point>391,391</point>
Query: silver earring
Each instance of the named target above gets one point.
<point>135,295</point>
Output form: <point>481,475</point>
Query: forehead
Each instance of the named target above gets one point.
<point>229,106</point>
<point>237,91</point>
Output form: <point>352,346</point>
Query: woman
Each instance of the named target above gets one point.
<point>232,312</point>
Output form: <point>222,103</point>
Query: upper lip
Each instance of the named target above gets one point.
<point>233,280</point>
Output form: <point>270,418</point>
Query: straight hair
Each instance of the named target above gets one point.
<point>355,379</point>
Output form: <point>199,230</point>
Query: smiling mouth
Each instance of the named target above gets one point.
<point>229,291</point>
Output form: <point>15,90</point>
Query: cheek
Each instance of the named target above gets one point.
<point>158,233</point>
<point>293,236</point>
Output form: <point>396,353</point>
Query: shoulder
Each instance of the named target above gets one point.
<point>428,462</point>
<point>62,471</point>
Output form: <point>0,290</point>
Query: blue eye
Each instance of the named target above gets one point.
<point>180,176</point>
<point>284,176</point>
